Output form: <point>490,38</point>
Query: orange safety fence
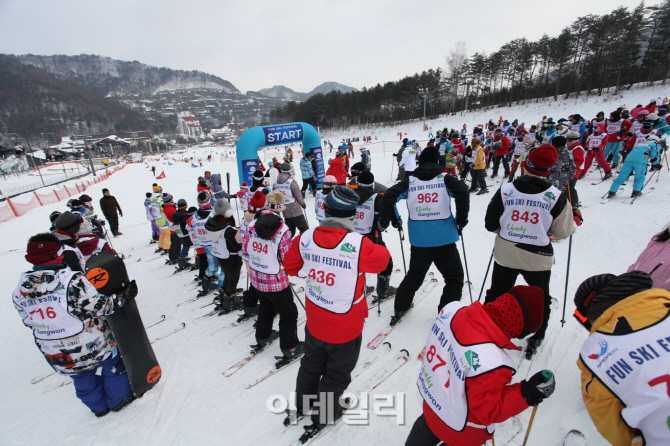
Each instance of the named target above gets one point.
<point>13,208</point>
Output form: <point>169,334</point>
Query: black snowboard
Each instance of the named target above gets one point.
<point>107,273</point>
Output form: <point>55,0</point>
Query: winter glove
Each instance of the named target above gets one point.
<point>461,223</point>
<point>497,145</point>
<point>577,217</point>
<point>629,134</point>
<point>127,294</point>
<point>304,206</point>
<point>397,223</point>
<point>102,222</point>
<point>120,214</point>
<point>538,387</point>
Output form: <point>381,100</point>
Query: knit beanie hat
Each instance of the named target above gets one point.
<point>43,248</point>
<point>148,195</point>
<point>244,185</point>
<point>540,160</point>
<point>84,198</point>
<point>181,204</point>
<point>341,202</point>
<point>286,168</point>
<point>257,202</point>
<point>53,216</point>
<point>357,168</point>
<point>329,182</point>
<point>652,117</point>
<point>222,207</point>
<point>201,180</point>
<point>258,175</point>
<point>167,198</point>
<point>429,154</point>
<point>572,135</point>
<point>204,200</point>
<point>69,222</point>
<point>559,141</point>
<point>616,115</point>
<point>156,188</point>
<point>366,179</point>
<point>597,293</point>
<point>528,139</point>
<point>476,141</point>
<point>76,204</point>
<point>519,312</point>
<point>274,201</point>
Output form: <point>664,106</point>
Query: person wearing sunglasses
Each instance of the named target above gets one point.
<point>625,361</point>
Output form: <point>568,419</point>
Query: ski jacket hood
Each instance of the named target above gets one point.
<point>268,224</point>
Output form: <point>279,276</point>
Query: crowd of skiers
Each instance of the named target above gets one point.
<point>466,375</point>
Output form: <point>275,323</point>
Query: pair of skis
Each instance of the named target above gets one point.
<point>427,288</point>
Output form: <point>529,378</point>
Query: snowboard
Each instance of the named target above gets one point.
<point>107,273</point>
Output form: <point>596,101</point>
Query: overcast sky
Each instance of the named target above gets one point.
<point>299,44</point>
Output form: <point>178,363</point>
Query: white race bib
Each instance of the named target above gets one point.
<point>641,138</point>
<point>636,368</point>
<point>518,148</point>
<point>331,275</point>
<point>596,141</point>
<point>446,366</point>
<point>614,127</point>
<point>220,248</point>
<point>285,188</point>
<point>365,216</point>
<point>318,206</point>
<point>428,200</point>
<point>48,315</point>
<point>527,217</point>
<point>198,234</point>
<point>264,254</point>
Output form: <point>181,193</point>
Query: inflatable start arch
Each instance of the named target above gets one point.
<point>273,135</point>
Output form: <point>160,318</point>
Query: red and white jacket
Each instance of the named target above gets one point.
<point>491,397</point>
<point>322,324</point>
<point>614,135</point>
<point>577,153</point>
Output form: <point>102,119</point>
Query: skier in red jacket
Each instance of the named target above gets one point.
<point>466,373</point>
<point>501,145</point>
<point>333,258</point>
<point>337,169</point>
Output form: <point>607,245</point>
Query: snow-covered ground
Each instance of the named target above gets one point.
<point>195,404</point>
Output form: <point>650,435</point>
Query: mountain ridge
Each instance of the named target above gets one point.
<point>282,92</point>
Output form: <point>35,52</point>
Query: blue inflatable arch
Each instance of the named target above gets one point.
<point>272,135</point>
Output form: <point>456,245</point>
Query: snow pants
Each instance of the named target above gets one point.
<point>451,171</point>
<point>164,240</point>
<point>478,180</point>
<point>600,158</point>
<point>104,387</point>
<point>613,148</point>
<point>421,435</point>
<point>628,168</point>
<point>298,223</point>
<point>504,278</point>
<point>271,304</point>
<point>113,221</point>
<point>175,246</point>
<point>324,375</point>
<point>465,169</point>
<point>212,263</point>
<point>446,260</point>
<point>231,268</point>
<point>155,231</point>
<point>496,165</point>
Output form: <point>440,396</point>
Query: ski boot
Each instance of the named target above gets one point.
<point>102,413</point>
<point>397,317</point>
<point>181,264</point>
<point>196,265</point>
<point>473,189</point>
<point>310,431</point>
<point>581,176</point>
<point>384,291</point>
<point>292,417</point>
<point>229,303</point>
<point>262,343</point>
<point>510,178</point>
<point>607,176</point>
<point>531,347</point>
<point>615,165</point>
<point>611,195</point>
<point>303,194</point>
<point>369,290</point>
<point>635,194</point>
<point>249,312</point>
<point>158,250</point>
<point>290,355</point>
<point>207,286</point>
<point>483,191</point>
<point>129,399</point>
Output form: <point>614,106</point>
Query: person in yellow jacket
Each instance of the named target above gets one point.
<point>625,362</point>
<point>478,167</point>
<point>159,218</point>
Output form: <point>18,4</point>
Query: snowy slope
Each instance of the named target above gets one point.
<point>194,404</point>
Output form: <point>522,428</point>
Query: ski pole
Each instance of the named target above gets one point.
<point>237,209</point>
<point>486,275</point>
<point>402,249</point>
<point>466,265</point>
<point>228,181</point>
<point>645,184</point>
<point>296,296</point>
<point>392,163</point>
<point>567,273</point>
<point>108,239</point>
<point>530,424</point>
